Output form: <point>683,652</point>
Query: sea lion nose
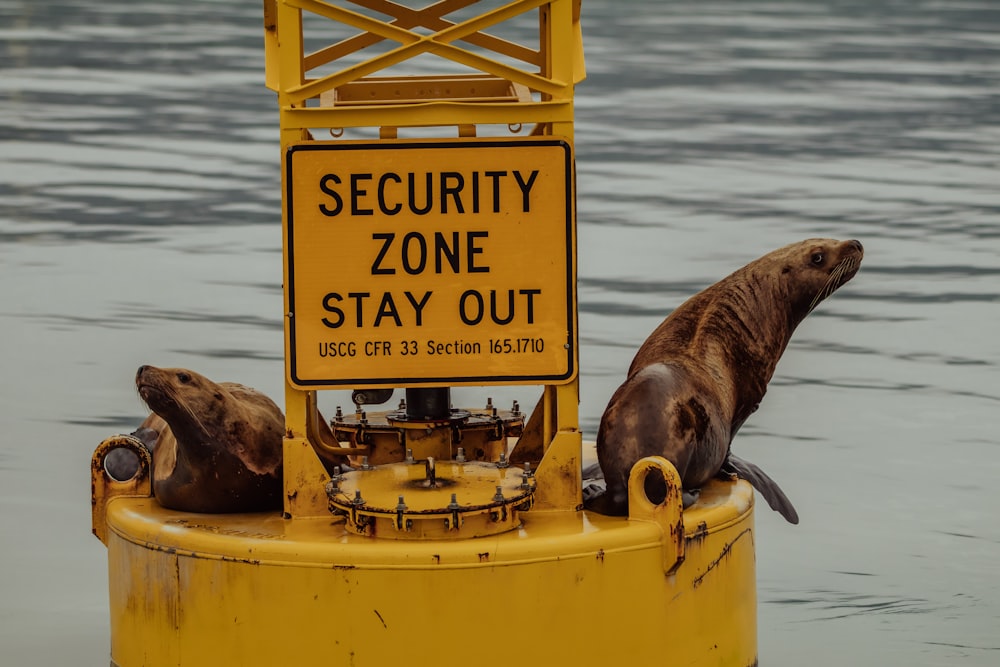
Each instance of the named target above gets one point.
<point>856,244</point>
<point>138,373</point>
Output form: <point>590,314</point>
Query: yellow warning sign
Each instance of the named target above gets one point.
<point>430,262</point>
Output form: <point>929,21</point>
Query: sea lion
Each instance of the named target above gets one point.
<point>705,369</point>
<point>216,447</point>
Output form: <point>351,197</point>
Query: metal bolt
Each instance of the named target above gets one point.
<point>489,403</point>
<point>332,487</point>
<point>401,506</point>
<point>527,477</point>
<point>453,505</point>
<point>498,498</point>
<point>460,456</point>
<point>503,463</point>
<point>402,404</point>
<point>409,455</point>
<point>516,410</point>
<point>364,464</point>
<point>340,415</point>
<point>358,500</point>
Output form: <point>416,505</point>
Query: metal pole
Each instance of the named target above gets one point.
<point>428,403</point>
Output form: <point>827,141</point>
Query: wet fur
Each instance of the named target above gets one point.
<point>217,447</point>
<point>704,370</point>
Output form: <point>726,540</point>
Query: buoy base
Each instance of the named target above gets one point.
<point>572,588</point>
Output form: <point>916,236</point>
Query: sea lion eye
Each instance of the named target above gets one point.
<point>184,378</point>
<point>817,258</point>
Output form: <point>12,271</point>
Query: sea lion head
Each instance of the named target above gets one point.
<point>816,268</point>
<point>191,404</point>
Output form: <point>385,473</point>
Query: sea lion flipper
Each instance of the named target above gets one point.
<point>767,487</point>
<point>147,436</point>
<point>602,502</point>
<point>592,472</point>
<point>592,491</point>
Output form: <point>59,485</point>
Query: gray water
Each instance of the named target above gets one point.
<point>140,223</point>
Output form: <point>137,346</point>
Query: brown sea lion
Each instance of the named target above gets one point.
<point>705,369</point>
<point>216,447</point>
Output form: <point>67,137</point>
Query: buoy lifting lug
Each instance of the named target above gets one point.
<point>104,488</point>
<point>667,513</point>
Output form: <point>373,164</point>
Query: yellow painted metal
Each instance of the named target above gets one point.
<point>340,85</point>
<point>431,499</point>
<point>385,437</point>
<point>563,588</point>
<point>430,262</point>
<point>103,487</point>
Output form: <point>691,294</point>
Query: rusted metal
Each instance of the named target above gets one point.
<point>492,499</point>
<point>667,513</point>
<point>722,555</point>
<point>530,446</point>
<point>387,437</point>
<point>104,487</point>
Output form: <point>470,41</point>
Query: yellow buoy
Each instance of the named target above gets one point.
<point>546,588</point>
<point>448,537</point>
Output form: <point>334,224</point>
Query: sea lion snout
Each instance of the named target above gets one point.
<point>143,382</point>
<point>152,387</point>
<point>856,244</point>
<point>148,376</point>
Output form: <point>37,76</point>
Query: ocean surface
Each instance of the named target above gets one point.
<point>140,223</point>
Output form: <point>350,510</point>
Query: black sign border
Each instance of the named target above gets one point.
<point>461,380</point>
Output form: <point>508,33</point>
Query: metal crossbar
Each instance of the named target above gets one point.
<point>413,44</point>
<point>430,17</point>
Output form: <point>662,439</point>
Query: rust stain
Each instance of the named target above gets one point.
<point>484,557</point>
<point>222,530</point>
<point>600,555</point>
<point>700,532</point>
<point>725,552</point>
<point>381,619</point>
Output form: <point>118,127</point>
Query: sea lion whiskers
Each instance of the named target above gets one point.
<point>195,418</point>
<point>836,279</point>
<point>167,393</point>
